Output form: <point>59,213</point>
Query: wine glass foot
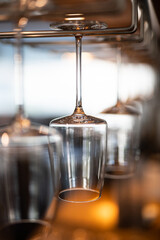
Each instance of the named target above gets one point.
<point>78,25</point>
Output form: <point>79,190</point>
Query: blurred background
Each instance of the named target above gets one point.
<point>129,208</point>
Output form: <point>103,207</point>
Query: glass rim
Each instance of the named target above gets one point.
<point>98,192</point>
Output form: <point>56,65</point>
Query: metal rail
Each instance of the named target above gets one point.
<point>109,31</point>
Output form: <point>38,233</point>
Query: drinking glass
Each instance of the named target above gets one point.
<point>122,144</point>
<point>123,136</point>
<point>29,176</point>
<point>84,140</point>
<point>28,181</point>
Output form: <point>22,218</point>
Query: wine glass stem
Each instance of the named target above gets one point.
<point>18,68</point>
<point>78,72</point>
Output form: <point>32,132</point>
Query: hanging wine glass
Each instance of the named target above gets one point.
<point>29,158</point>
<point>84,138</point>
<point>123,135</point>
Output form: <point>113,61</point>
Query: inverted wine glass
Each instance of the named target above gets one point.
<point>29,158</point>
<point>123,136</point>
<point>84,139</point>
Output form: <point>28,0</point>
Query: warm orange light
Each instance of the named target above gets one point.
<point>5,139</point>
<point>41,3</point>
<point>106,214</point>
<point>151,211</point>
<point>25,123</point>
<point>22,22</point>
<point>74,18</point>
<point>101,214</point>
<point>74,14</point>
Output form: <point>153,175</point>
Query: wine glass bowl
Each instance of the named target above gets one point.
<point>123,140</point>
<point>83,161</point>
<point>29,158</point>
